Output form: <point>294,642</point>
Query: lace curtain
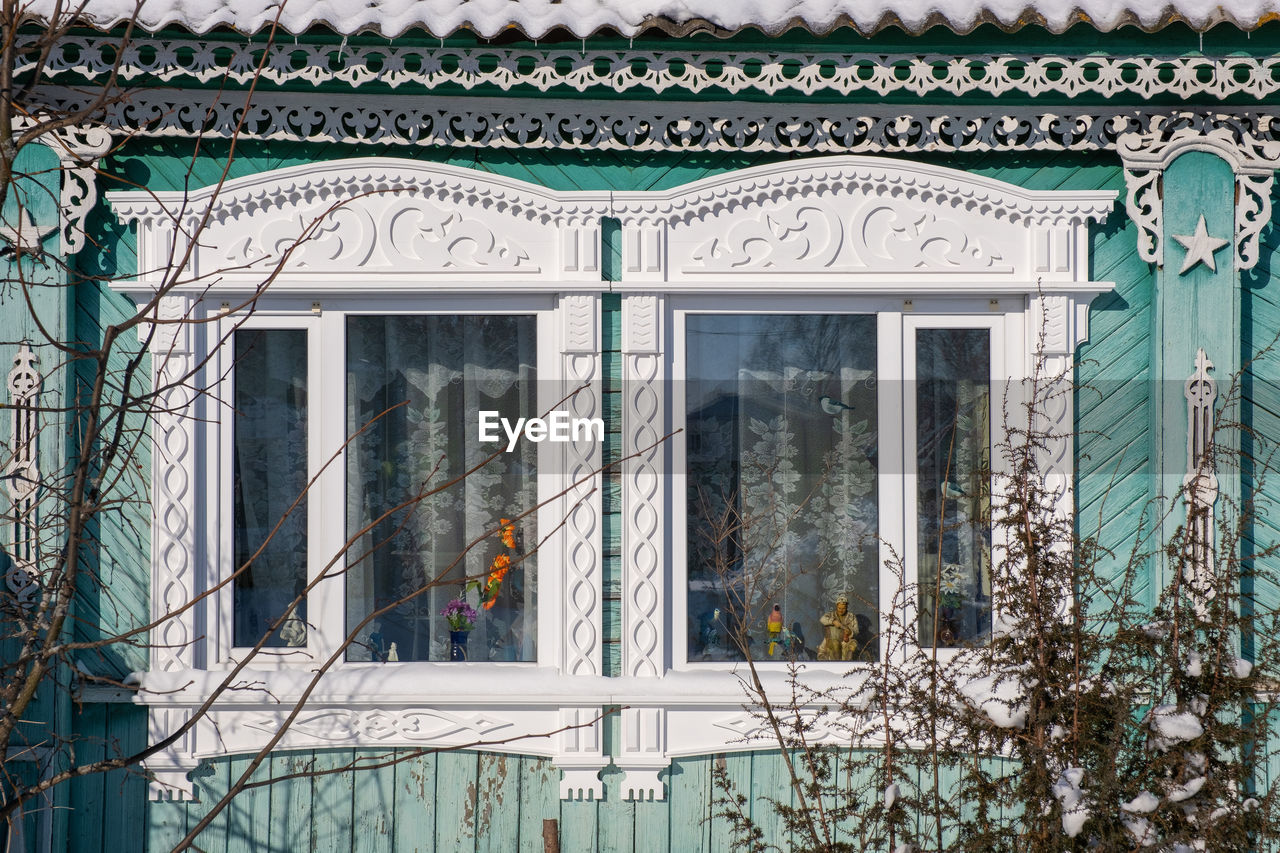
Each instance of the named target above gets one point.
<point>416,385</point>
<point>781,418</point>
<point>269,473</point>
<point>953,426</point>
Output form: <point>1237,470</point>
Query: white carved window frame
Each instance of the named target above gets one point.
<point>920,246</point>
<point>391,236</point>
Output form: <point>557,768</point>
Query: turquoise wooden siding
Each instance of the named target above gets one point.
<point>460,802</point>
<point>1260,395</point>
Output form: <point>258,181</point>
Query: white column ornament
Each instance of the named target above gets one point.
<point>643,481</point>
<point>1200,485</point>
<point>22,474</point>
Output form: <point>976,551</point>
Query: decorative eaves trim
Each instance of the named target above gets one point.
<point>645,125</point>
<point>681,69</point>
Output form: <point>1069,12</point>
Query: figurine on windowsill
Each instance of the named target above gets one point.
<point>839,632</point>
<point>774,626</point>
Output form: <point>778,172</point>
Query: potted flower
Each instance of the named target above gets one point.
<point>461,618</point>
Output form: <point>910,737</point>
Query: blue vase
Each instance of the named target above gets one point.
<point>458,645</point>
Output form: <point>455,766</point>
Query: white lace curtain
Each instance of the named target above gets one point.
<point>419,383</point>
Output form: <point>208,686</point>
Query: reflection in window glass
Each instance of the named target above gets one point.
<point>782,520</point>
<point>270,462</point>
<point>953,441</point>
<point>416,386</point>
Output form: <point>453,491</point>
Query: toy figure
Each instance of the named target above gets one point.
<point>839,630</point>
<point>774,626</point>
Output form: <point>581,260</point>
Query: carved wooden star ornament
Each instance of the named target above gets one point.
<point>1200,247</point>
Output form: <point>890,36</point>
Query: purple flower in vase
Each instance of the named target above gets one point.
<point>460,615</point>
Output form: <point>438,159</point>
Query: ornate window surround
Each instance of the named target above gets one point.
<point>811,235</point>
<point>405,237</point>
<point>494,241</point>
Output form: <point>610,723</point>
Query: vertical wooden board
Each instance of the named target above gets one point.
<point>413,800</point>
<point>249,814</point>
<point>738,767</point>
<point>616,817</point>
<point>332,793</point>
<point>769,783</point>
<point>125,790</point>
<point>289,802</point>
<point>211,781</point>
<point>651,822</point>
<point>373,809</point>
<point>166,823</point>
<point>456,802</point>
<point>497,803</point>
<point>689,794</point>
<point>577,825</point>
<point>87,792</point>
<point>539,800</point>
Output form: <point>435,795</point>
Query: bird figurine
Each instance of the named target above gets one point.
<point>774,626</point>
<point>709,632</point>
<point>832,406</point>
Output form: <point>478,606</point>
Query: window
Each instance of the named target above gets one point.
<point>415,386</point>
<point>798,441</point>
<point>838,330</point>
<point>421,511</point>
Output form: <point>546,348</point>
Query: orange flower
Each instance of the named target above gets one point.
<point>508,532</point>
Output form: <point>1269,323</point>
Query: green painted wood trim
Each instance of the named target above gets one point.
<point>1198,308</point>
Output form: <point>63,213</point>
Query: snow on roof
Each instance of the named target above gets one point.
<point>535,18</point>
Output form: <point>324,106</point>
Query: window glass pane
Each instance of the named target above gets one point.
<point>270,462</point>
<point>782,521</point>
<point>416,386</point>
<point>953,441</point>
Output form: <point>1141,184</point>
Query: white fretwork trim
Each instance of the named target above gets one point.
<point>1252,159</point>
<point>78,149</point>
<point>22,474</point>
<point>401,222</point>
<point>510,122</point>
<point>175,474</point>
<point>174,60</point>
<point>843,223</point>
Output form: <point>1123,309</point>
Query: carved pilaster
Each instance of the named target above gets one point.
<point>174,476</point>
<point>1147,155</point>
<point>167,770</point>
<point>583,558</point>
<point>643,481</point>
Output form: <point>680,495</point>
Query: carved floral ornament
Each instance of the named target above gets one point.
<point>843,222</point>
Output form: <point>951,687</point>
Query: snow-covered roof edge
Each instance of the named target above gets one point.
<point>583,18</point>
